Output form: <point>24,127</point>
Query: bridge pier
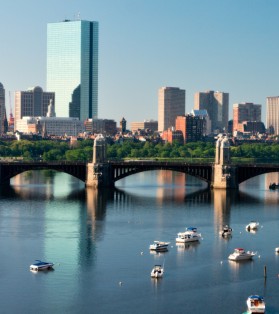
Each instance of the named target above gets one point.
<point>224,174</point>
<point>98,172</point>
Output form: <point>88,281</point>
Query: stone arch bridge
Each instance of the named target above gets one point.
<point>107,173</point>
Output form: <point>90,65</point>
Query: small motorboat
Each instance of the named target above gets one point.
<point>39,265</point>
<point>255,304</point>
<point>157,271</point>
<point>240,255</point>
<point>277,250</point>
<point>273,186</point>
<point>190,235</point>
<point>159,246</point>
<point>253,225</point>
<point>226,231</point>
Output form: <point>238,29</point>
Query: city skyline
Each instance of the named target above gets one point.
<point>193,45</point>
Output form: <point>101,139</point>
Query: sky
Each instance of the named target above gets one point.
<point>197,45</point>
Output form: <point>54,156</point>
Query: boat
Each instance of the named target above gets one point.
<point>255,304</point>
<point>226,231</point>
<point>240,254</point>
<point>253,225</point>
<point>277,250</point>
<point>159,246</point>
<point>273,186</point>
<point>39,265</point>
<point>190,235</point>
<point>157,271</point>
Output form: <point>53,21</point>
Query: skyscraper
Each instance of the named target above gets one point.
<point>217,106</point>
<point>2,109</point>
<point>171,103</point>
<point>272,115</point>
<point>72,67</point>
<point>245,112</point>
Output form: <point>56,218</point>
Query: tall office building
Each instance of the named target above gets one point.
<point>3,117</point>
<point>217,106</point>
<point>72,67</point>
<point>272,114</point>
<point>245,112</point>
<point>171,103</point>
<point>32,103</point>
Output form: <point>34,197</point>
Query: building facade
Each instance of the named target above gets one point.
<point>51,126</point>
<point>217,106</point>
<point>245,112</point>
<point>171,103</point>
<point>102,126</point>
<point>32,103</point>
<point>72,67</point>
<point>144,125</point>
<point>272,114</point>
<point>192,127</point>
<point>3,117</point>
<point>203,114</point>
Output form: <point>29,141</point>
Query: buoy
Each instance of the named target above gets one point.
<point>120,283</point>
<point>221,262</point>
<point>141,253</point>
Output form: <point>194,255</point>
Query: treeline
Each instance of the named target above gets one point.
<point>83,150</point>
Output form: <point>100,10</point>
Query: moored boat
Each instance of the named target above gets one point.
<point>253,225</point>
<point>159,246</point>
<point>239,254</point>
<point>190,235</point>
<point>273,186</point>
<point>255,304</point>
<point>157,271</point>
<point>277,250</point>
<point>39,265</point>
<point>226,231</point>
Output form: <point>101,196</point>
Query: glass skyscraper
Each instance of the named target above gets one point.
<point>72,67</point>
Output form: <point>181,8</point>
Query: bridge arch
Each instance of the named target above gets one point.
<point>125,169</point>
<point>10,170</point>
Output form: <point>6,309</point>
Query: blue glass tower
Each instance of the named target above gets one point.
<point>72,67</point>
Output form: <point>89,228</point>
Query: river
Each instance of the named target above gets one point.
<point>99,243</point>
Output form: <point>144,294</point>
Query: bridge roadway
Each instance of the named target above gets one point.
<point>121,169</point>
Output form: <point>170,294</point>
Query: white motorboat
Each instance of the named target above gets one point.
<point>240,254</point>
<point>159,246</point>
<point>253,225</point>
<point>255,304</point>
<point>190,235</point>
<point>39,265</point>
<point>157,271</point>
<point>226,231</point>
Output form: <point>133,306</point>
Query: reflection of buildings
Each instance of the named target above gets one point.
<point>270,178</point>
<point>72,67</point>
<point>222,206</point>
<point>176,183</point>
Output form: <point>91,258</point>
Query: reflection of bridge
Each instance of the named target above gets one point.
<point>117,170</point>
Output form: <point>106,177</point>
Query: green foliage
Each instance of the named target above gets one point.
<point>83,151</point>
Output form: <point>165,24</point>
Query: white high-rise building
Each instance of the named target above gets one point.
<point>171,103</point>
<point>272,114</point>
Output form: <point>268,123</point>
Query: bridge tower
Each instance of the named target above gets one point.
<point>98,174</point>
<point>224,174</point>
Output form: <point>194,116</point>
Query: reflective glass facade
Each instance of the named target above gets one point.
<point>72,64</point>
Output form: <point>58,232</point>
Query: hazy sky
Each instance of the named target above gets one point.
<point>197,45</point>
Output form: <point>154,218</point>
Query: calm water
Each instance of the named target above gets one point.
<point>98,240</point>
